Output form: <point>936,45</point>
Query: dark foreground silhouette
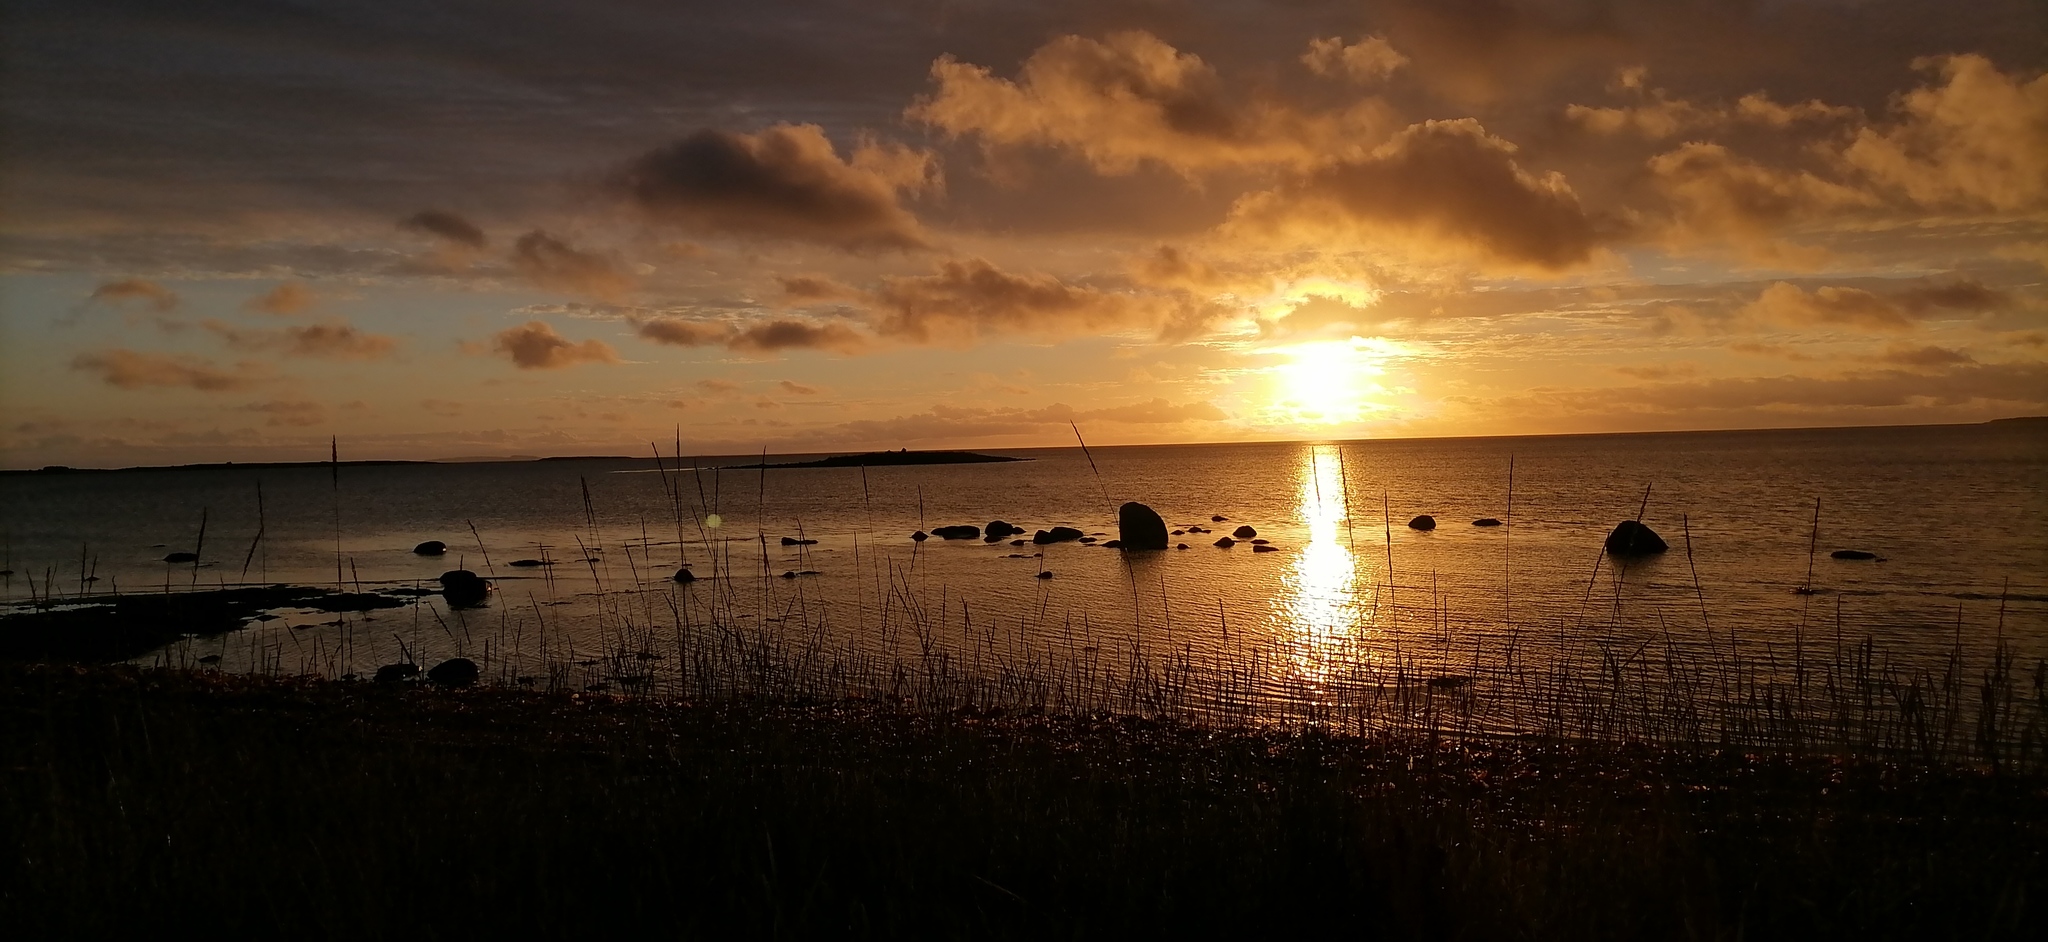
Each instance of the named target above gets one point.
<point>164,801</point>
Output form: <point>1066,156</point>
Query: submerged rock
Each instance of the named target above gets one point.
<point>1057,535</point>
<point>793,541</point>
<point>1424,523</point>
<point>1486,522</point>
<point>1264,548</point>
<point>1852,554</point>
<point>1180,546</point>
<point>430,548</point>
<point>1114,544</point>
<point>964,531</point>
<point>454,672</point>
<point>464,589</point>
<point>1244,532</point>
<point>1139,527</point>
<point>529,563</point>
<point>1218,518</point>
<point>1630,538</point>
<point>1045,574</point>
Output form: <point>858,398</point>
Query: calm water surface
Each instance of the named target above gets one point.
<point>1957,512</point>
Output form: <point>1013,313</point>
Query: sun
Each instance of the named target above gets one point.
<point>1327,382</point>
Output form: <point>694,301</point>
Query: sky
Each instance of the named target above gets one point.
<point>235,230</point>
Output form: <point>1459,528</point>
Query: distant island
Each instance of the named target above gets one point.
<point>876,459</point>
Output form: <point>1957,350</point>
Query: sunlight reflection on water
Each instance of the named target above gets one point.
<point>1324,617</point>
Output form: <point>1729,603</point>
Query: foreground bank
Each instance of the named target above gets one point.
<point>159,799</point>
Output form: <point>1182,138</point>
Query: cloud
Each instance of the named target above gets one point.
<point>786,182</point>
<point>1368,59</point>
<point>770,336</point>
<point>803,289</point>
<point>1928,356</point>
<point>289,412</point>
<point>778,335</point>
<point>969,298</point>
<point>1129,99</point>
<point>1978,141</point>
<point>1476,52</point>
<point>128,369</point>
<point>1658,115</point>
<point>1318,313</point>
<point>1788,304</point>
<point>535,346</point>
<point>2025,383</point>
<point>1715,195</point>
<point>555,265</point>
<point>1440,187</point>
<point>136,289</point>
<point>336,340</point>
<point>291,297</point>
<point>797,388</point>
<point>445,225</point>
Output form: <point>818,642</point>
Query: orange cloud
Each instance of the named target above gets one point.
<point>1789,305</point>
<point>967,298</point>
<point>761,337</point>
<point>1444,187</point>
<point>535,346</point>
<point>1716,196</point>
<point>290,297</point>
<point>787,181</point>
<point>1980,140</point>
<point>1129,99</point>
<point>1368,59</point>
<point>553,264</point>
<point>128,369</point>
<point>289,412</point>
<point>331,340</point>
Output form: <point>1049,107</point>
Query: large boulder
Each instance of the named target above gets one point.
<point>965,531</point>
<point>1057,535</point>
<point>430,548</point>
<point>1139,528</point>
<point>1630,538</point>
<point>397,673</point>
<point>1424,523</point>
<point>464,589</point>
<point>454,672</point>
<point>997,529</point>
<point>1244,532</point>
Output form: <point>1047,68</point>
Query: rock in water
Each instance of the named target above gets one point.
<point>454,672</point>
<point>397,673</point>
<point>1244,532</point>
<point>1486,522</point>
<point>1057,535</point>
<point>529,563</point>
<point>1852,554</point>
<point>1045,574</point>
<point>463,588</point>
<point>965,531</point>
<point>181,558</point>
<point>1139,528</point>
<point>1424,523</point>
<point>793,541</point>
<point>1264,548</point>
<point>1225,542</point>
<point>997,529</point>
<point>685,575</point>
<point>1634,539</point>
<point>430,548</point>
<point>920,536</point>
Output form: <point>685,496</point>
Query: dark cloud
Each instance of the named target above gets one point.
<point>1443,187</point>
<point>553,264</point>
<point>1923,356</point>
<point>803,289</point>
<point>535,346</point>
<point>297,413</point>
<point>445,225</point>
<point>787,181</point>
<point>129,369</point>
<point>768,336</point>
<point>1886,309</point>
<point>796,388</point>
<point>968,298</point>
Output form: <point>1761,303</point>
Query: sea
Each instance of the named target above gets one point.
<point>1956,515</point>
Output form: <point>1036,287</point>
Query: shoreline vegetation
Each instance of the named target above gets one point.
<point>247,804</point>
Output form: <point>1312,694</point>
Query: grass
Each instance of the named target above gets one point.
<point>245,805</point>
